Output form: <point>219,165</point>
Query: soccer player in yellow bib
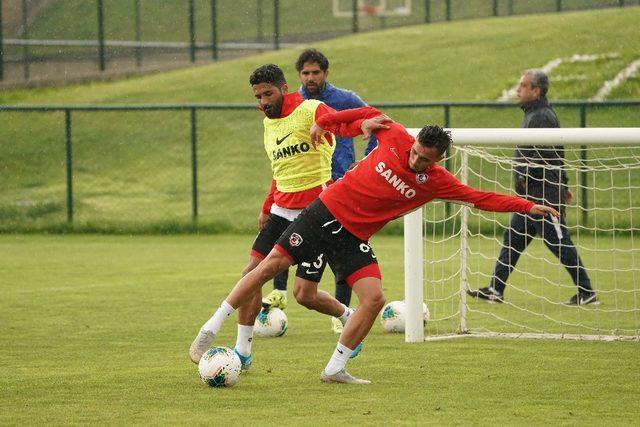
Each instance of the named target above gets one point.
<point>301,171</point>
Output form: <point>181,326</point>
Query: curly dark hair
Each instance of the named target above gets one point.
<point>268,73</point>
<point>434,136</point>
<point>312,55</point>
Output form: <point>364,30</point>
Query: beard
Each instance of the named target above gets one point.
<point>312,88</point>
<point>273,111</point>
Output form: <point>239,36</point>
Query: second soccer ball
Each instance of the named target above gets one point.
<point>270,323</point>
<point>393,316</point>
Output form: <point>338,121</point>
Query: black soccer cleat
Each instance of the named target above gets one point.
<point>488,294</point>
<point>584,299</point>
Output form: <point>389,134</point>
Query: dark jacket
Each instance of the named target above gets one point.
<point>546,185</point>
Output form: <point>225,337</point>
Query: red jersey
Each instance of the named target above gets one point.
<point>382,187</point>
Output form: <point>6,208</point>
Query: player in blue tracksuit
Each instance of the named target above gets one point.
<point>313,70</point>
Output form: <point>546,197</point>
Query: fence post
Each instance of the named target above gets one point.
<point>214,30</point>
<point>69,160</point>
<point>194,167</point>
<point>447,159</point>
<point>276,24</point>
<point>192,32</point>
<point>583,172</point>
<point>101,51</point>
<point>138,33</point>
<point>448,9</point>
<point>558,5</point>
<point>621,3</point>
<point>354,19</point>
<point>259,20</point>
<point>25,37</point>
<point>1,46</point>
<point>510,7</point>
<point>495,7</point>
<point>427,11</point>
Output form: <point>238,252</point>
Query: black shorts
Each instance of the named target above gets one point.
<point>310,269</point>
<point>316,231</point>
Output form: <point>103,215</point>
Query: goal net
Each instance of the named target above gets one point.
<point>459,246</point>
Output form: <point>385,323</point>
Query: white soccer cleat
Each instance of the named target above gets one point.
<point>200,345</point>
<point>342,377</point>
<point>336,326</point>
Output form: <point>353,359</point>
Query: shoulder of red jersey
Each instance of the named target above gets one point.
<point>395,133</point>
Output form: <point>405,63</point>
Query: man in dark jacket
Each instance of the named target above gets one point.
<point>539,176</point>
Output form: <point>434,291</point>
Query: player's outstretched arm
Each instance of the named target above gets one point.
<point>543,210</point>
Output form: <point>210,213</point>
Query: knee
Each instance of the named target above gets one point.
<point>374,302</point>
<point>305,299</point>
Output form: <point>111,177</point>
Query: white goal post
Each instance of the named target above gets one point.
<point>482,158</point>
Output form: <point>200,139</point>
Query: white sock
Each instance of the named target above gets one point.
<point>245,337</point>
<point>339,359</point>
<point>215,323</point>
<point>345,315</point>
<point>283,292</point>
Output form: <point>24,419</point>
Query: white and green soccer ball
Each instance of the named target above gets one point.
<point>392,317</point>
<point>271,323</point>
<point>219,367</point>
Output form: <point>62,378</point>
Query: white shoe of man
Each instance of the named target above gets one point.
<point>200,345</point>
<point>342,377</point>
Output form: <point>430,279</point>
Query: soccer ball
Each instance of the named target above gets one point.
<point>219,367</point>
<point>271,323</point>
<point>392,317</point>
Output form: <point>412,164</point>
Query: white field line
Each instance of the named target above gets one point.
<point>608,86</point>
<point>510,94</point>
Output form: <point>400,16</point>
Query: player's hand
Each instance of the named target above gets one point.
<point>262,220</point>
<point>369,125</point>
<point>544,210</point>
<point>316,135</point>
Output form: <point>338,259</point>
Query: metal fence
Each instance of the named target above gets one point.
<point>120,35</point>
<point>186,166</point>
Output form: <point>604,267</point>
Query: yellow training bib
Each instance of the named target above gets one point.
<point>296,165</point>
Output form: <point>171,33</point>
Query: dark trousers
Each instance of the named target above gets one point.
<point>343,291</point>
<point>518,236</point>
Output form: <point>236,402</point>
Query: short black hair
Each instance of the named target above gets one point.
<point>434,136</point>
<point>268,73</point>
<point>312,55</point>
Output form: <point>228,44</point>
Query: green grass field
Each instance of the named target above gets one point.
<point>95,330</point>
<point>132,170</point>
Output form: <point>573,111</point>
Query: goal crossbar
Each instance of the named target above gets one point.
<point>556,136</point>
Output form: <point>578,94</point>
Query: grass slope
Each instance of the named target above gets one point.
<point>95,330</point>
<point>132,169</point>
<point>239,19</point>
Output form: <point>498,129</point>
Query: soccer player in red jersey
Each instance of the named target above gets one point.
<point>300,173</point>
<point>399,176</point>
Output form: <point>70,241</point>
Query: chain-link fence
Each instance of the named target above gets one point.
<point>48,40</point>
<point>175,168</point>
